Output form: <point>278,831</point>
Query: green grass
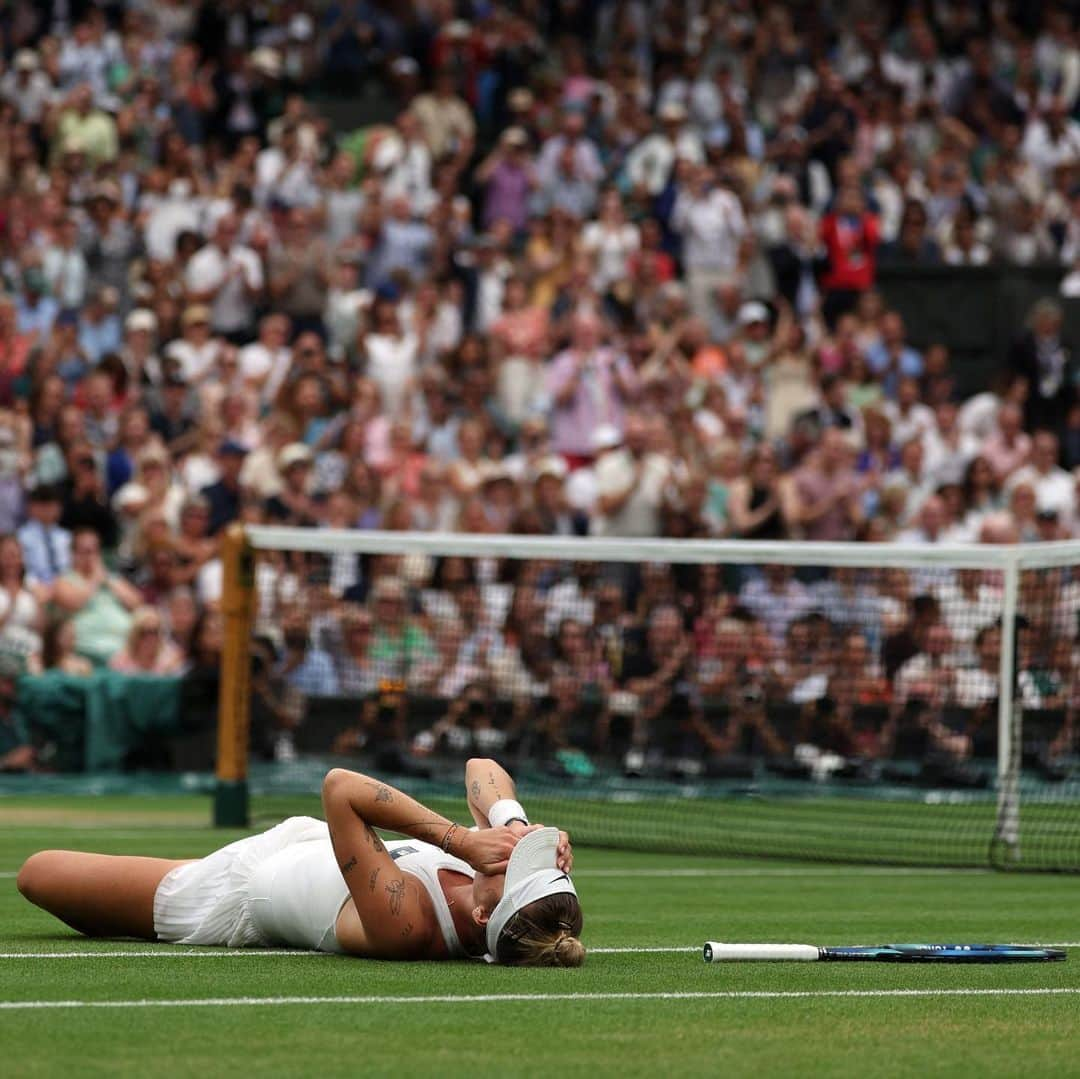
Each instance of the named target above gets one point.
<point>742,900</point>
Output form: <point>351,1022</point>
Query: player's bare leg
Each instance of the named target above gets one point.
<point>101,895</point>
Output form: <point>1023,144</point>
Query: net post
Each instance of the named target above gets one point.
<point>1006,844</point>
<point>234,698</point>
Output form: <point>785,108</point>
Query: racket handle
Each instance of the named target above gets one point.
<point>717,952</point>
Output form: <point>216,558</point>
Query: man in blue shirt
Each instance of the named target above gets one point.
<point>224,496</point>
<point>45,545</point>
<point>892,357</point>
<point>35,310</point>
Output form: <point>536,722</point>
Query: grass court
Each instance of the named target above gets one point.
<point>644,1004</point>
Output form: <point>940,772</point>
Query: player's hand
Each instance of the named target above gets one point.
<point>564,855</point>
<point>487,850</point>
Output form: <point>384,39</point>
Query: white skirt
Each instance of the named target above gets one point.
<point>208,902</point>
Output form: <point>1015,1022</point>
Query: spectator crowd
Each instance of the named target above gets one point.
<point>600,269</point>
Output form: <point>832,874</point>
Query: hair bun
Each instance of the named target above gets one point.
<point>569,951</point>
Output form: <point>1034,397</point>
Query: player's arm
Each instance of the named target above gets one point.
<point>493,803</point>
<point>390,903</point>
<point>487,782</point>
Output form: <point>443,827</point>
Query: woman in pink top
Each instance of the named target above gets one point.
<point>1008,447</point>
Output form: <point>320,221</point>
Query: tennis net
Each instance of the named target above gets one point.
<point>871,703</point>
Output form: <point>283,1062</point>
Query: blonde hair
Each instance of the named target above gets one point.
<point>544,934</point>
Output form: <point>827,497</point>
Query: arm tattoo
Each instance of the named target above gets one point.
<point>396,890</point>
<point>373,838</point>
<point>493,783</point>
<point>373,878</point>
<point>407,931</point>
<point>383,793</point>
<point>474,789</point>
<point>349,866</point>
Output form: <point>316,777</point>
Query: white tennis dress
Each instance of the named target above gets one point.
<point>283,888</point>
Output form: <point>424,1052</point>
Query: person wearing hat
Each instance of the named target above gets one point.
<point>500,891</point>
<point>630,485</point>
<point>549,500</point>
<point>225,495</point>
<point>197,349</point>
<point>508,177</point>
<point>27,87</point>
<point>650,163</point>
<point>138,349</point>
<point>499,496</point>
<point>292,504</point>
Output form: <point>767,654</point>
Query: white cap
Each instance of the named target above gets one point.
<point>142,318</point>
<point>531,874</point>
<point>550,466</point>
<point>605,437</point>
<point>131,496</point>
<point>674,111</point>
<point>753,311</point>
<point>295,453</point>
<point>266,61</point>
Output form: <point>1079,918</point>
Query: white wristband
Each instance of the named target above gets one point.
<point>504,811</point>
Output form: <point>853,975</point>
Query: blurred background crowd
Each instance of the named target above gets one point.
<point>597,269</point>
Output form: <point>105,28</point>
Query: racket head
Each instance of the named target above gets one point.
<point>945,953</point>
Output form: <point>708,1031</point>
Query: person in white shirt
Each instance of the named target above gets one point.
<point>408,170</point>
<point>710,220</point>
<point>229,277</point>
<point>1054,487</point>
<point>265,362</point>
<point>948,450</point>
<point>909,417</point>
<point>27,87</point>
<point>968,599</point>
<point>1051,140</point>
<point>930,675</point>
<point>611,240</point>
<point>390,355</point>
<point>197,350</point>
<point>650,163</point>
<point>630,485</point>
<point>501,890</point>
<point>978,685</point>
<point>179,210</point>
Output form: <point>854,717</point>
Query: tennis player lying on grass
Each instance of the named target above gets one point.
<point>501,890</point>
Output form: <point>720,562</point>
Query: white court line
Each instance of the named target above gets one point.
<point>492,998</point>
<point>168,952</point>
<point>777,871</point>
<point>795,871</point>
<point>161,952</point>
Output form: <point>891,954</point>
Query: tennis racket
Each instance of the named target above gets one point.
<point>718,952</point>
